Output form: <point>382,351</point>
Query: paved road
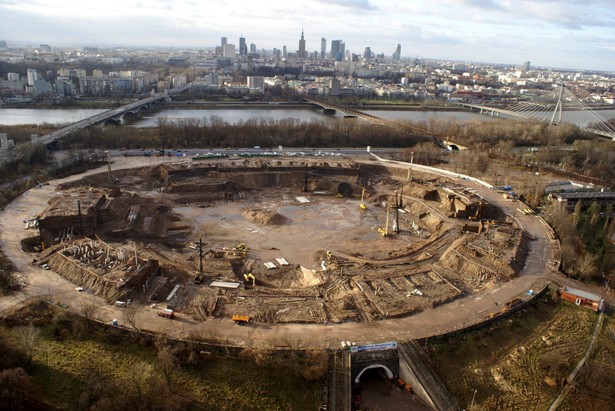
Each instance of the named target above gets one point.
<point>454,315</point>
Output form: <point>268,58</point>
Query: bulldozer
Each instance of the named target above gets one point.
<point>241,319</point>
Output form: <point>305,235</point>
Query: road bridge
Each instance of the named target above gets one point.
<point>400,127</point>
<point>114,116</point>
<point>559,106</point>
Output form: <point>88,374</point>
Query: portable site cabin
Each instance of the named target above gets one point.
<point>583,298</point>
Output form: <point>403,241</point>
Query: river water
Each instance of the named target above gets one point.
<point>22,116</point>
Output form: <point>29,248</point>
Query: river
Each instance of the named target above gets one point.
<point>23,116</point>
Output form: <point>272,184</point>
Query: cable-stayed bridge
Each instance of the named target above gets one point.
<point>559,106</point>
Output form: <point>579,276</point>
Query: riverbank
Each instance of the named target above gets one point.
<point>222,105</point>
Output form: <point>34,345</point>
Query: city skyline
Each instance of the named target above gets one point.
<point>547,33</point>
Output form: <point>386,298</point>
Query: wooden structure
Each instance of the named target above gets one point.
<point>583,298</point>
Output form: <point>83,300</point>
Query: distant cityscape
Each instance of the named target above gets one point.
<point>46,73</point>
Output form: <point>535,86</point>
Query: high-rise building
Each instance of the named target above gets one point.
<point>223,42</point>
<point>323,48</point>
<point>229,50</point>
<point>243,49</point>
<point>302,54</point>
<point>284,55</point>
<point>256,83</point>
<point>252,48</point>
<point>526,66</point>
<point>397,53</point>
<point>337,50</point>
<point>367,54</point>
<point>32,76</point>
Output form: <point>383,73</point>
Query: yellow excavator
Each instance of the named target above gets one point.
<point>249,277</point>
<point>479,210</point>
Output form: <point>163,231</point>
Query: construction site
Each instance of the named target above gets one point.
<point>276,240</point>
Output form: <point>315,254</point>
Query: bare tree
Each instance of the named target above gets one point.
<point>88,308</point>
<point>167,361</point>
<point>29,336</point>
<point>129,314</point>
<point>587,266</point>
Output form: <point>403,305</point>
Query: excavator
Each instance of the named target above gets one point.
<point>479,209</point>
<point>249,277</point>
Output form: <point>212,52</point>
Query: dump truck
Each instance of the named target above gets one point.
<point>241,319</point>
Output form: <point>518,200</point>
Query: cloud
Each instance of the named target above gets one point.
<point>351,4</point>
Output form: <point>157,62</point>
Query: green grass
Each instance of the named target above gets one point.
<point>64,364</point>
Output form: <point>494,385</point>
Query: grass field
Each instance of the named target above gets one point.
<point>520,363</point>
<point>81,366</point>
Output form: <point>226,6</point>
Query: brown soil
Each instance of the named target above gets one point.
<point>327,259</point>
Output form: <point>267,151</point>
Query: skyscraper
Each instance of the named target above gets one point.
<point>367,54</point>
<point>302,54</point>
<point>223,42</point>
<point>229,50</point>
<point>397,53</point>
<point>252,48</point>
<point>337,50</point>
<point>243,49</point>
<point>323,48</point>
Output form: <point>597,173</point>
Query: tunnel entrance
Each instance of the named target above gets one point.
<point>374,371</point>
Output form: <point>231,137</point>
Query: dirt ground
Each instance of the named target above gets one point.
<point>278,253</point>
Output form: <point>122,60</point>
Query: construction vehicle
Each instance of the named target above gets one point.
<point>477,215</point>
<point>362,205</point>
<point>241,319</point>
<point>249,277</point>
<point>167,313</point>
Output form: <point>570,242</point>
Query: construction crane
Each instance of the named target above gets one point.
<point>198,279</point>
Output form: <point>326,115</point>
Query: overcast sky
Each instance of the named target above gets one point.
<point>550,33</point>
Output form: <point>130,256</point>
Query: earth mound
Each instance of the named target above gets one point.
<point>264,217</point>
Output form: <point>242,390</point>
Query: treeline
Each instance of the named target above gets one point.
<point>564,147</point>
<point>588,252</point>
<point>214,132</point>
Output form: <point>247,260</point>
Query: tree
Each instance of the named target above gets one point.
<point>17,391</point>
<point>88,308</point>
<point>129,314</point>
<point>586,266</point>
<point>29,336</point>
<point>167,360</point>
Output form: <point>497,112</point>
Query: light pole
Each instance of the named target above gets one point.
<point>472,403</point>
<point>410,169</point>
<point>108,166</point>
